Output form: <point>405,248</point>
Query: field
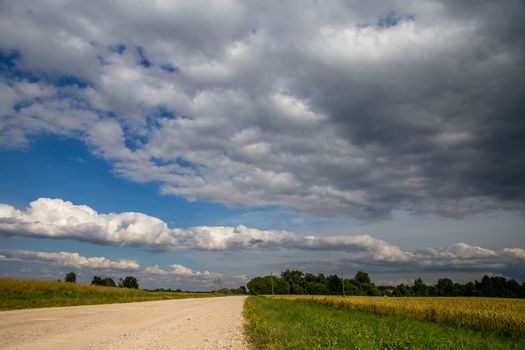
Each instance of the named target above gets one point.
<point>287,324</point>
<point>22,294</point>
<point>496,315</point>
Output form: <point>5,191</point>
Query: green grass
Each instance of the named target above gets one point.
<point>282,324</point>
<point>23,294</point>
<point>503,316</point>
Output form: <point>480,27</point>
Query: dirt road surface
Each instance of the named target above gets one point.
<point>207,323</point>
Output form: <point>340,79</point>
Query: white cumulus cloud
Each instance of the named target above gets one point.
<point>59,219</point>
<point>68,259</point>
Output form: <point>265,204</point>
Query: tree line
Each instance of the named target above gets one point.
<point>126,282</point>
<point>298,282</point>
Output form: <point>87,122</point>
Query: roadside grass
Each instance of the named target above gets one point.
<point>273,324</point>
<point>503,316</point>
<point>23,294</point>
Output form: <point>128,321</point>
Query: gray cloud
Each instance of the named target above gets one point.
<point>334,109</point>
<point>459,259</point>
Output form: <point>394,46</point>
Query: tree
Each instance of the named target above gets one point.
<point>445,287</point>
<point>129,282</point>
<point>96,281</point>
<point>365,284</point>
<point>296,288</point>
<point>316,288</point>
<point>296,281</point>
<point>362,277</point>
<point>108,282</point>
<point>420,288</point>
<point>259,285</point>
<point>263,285</point>
<point>352,287</point>
<point>71,277</point>
<point>402,291</point>
<point>335,285</point>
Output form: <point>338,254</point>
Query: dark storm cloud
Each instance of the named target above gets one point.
<point>456,258</point>
<point>340,108</point>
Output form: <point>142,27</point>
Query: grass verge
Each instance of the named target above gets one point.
<point>23,294</point>
<point>502,316</point>
<point>283,324</point>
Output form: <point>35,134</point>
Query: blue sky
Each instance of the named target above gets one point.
<point>182,142</point>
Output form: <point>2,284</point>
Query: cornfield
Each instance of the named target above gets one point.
<point>500,316</point>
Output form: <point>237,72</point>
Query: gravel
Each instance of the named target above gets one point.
<point>206,323</point>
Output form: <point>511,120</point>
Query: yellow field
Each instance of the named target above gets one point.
<point>497,315</point>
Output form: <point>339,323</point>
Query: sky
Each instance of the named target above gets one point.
<point>183,142</point>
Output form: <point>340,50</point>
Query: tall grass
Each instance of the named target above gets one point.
<point>500,316</point>
<point>21,294</point>
<point>282,324</point>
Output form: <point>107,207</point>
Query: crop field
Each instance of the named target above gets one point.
<point>278,323</point>
<point>496,315</point>
<point>22,294</point>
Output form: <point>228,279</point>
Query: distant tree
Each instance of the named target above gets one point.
<point>353,287</point>
<point>280,286</point>
<point>402,291</point>
<point>296,288</point>
<point>263,285</point>
<point>129,282</point>
<point>71,277</point>
<point>108,282</point>
<point>295,276</point>
<point>233,291</point>
<point>310,277</point>
<point>420,288</point>
<point>96,281</point>
<point>335,285</point>
<point>225,291</point>
<point>445,287</point>
<point>362,277</point>
<point>297,282</point>
<point>365,284</point>
<point>469,289</point>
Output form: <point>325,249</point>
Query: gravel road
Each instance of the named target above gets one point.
<point>207,323</point>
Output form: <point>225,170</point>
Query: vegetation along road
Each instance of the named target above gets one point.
<point>206,323</point>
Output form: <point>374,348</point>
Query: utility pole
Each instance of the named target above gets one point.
<point>272,282</point>
<point>343,283</point>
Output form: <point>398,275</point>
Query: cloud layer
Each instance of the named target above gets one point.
<point>59,219</point>
<point>55,218</point>
<point>67,259</point>
<point>37,264</point>
<point>347,108</point>
<point>461,260</point>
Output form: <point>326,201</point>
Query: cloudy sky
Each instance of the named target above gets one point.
<point>183,141</point>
